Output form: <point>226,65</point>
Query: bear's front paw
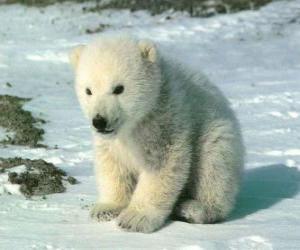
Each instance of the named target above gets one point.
<point>133,220</point>
<point>105,212</point>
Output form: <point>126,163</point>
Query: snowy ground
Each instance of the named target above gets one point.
<point>252,56</point>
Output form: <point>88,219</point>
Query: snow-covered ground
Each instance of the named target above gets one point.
<point>253,56</point>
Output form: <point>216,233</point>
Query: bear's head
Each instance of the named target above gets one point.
<point>117,82</point>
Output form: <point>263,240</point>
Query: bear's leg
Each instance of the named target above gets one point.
<point>215,181</point>
<point>116,184</point>
<point>156,193</point>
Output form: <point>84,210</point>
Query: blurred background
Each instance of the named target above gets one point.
<point>193,7</point>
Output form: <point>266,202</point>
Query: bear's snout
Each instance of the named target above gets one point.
<point>100,123</point>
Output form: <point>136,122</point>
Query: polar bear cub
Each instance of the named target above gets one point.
<point>167,144</point>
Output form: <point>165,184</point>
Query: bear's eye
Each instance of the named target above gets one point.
<point>88,91</point>
<point>118,90</point>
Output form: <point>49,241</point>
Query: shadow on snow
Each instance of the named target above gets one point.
<point>265,186</point>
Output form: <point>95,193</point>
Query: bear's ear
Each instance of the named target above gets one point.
<point>148,50</point>
<point>75,55</point>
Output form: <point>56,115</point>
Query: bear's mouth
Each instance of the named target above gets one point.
<point>106,131</point>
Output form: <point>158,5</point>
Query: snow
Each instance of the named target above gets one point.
<point>252,56</point>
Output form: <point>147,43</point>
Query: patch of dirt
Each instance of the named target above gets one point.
<point>98,29</point>
<point>19,122</point>
<point>8,84</point>
<point>40,177</point>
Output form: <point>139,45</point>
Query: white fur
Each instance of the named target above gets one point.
<point>177,148</point>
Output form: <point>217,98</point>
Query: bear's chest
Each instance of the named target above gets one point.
<point>139,155</point>
<point>127,154</point>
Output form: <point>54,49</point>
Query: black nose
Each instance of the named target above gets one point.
<point>99,123</point>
